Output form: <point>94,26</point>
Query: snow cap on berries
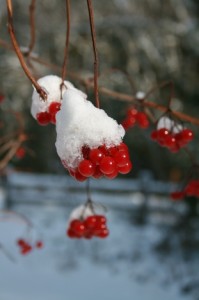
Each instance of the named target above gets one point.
<point>169,124</point>
<point>80,211</point>
<point>51,84</point>
<point>80,123</point>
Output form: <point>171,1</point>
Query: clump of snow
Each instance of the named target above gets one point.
<point>80,211</point>
<point>140,95</point>
<point>80,123</point>
<point>51,84</point>
<point>169,124</point>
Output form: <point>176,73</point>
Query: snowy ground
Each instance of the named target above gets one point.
<point>135,262</point>
<point>120,268</point>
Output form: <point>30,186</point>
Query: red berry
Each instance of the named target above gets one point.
<point>21,242</point>
<point>90,222</point>
<point>112,150</point>
<point>20,153</point>
<point>103,149</point>
<point>78,227</point>
<point>43,118</point>
<point>103,234</point>
<point>95,156</point>
<point>162,134</point>
<point>121,158</point>
<point>100,219</point>
<point>79,176</point>
<point>170,141</point>
<point>128,122</point>
<point>112,175</point>
<point>132,112</point>
<point>54,107</point>
<point>142,120</point>
<point>97,174</point>
<point>187,135</point>
<point>39,244</point>
<point>70,233</point>
<point>123,146</point>
<point>126,168</point>
<point>86,168</point>
<point>107,165</point>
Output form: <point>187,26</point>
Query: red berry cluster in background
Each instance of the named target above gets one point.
<point>135,117</point>
<point>44,118</point>
<point>92,226</point>
<point>190,190</point>
<point>173,141</point>
<point>2,97</point>
<point>26,247</point>
<point>20,153</point>
<point>102,161</point>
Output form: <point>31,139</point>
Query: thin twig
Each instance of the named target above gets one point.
<point>18,52</point>
<point>64,66</point>
<point>32,26</point>
<point>96,61</point>
<point>110,93</point>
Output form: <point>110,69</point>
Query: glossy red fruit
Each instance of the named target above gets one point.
<point>70,233</point>
<point>95,156</point>
<point>121,158</point>
<point>103,234</point>
<point>187,135</point>
<point>101,219</point>
<point>112,150</point>
<point>97,174</point>
<point>126,168</point>
<point>54,107</point>
<point>112,175</point>
<point>90,222</point>
<point>103,149</point>
<point>162,133</point>
<point>142,120</point>
<point>78,227</point>
<point>128,122</point>
<point>107,165</point>
<point>123,147</point>
<point>79,177</point>
<point>43,118</point>
<point>132,112</point>
<point>86,168</point>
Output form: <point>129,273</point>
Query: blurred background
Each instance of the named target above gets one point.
<point>154,243</point>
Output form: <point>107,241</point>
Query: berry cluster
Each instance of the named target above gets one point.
<point>46,117</point>
<point>102,161</point>
<point>135,117</point>
<point>92,226</point>
<point>171,140</point>
<point>26,247</point>
<point>191,189</point>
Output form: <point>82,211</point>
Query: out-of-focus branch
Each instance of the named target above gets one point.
<point>107,92</point>
<point>18,52</point>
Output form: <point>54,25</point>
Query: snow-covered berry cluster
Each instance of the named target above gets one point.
<point>26,247</point>
<point>85,223</point>
<point>171,135</point>
<point>89,142</point>
<point>102,161</point>
<point>45,111</point>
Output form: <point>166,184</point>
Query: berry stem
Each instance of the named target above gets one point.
<point>96,61</point>
<point>64,66</point>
